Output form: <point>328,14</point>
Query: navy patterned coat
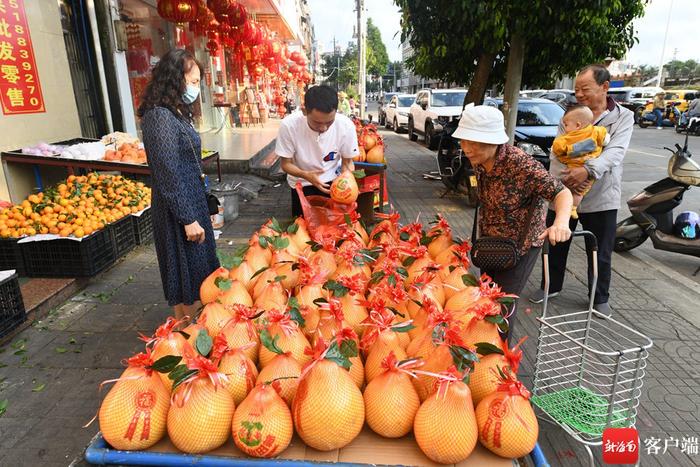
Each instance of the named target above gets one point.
<point>173,148</point>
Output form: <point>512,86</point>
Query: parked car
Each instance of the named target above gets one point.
<point>432,109</point>
<point>564,97</point>
<point>679,98</point>
<point>397,111</point>
<point>532,92</point>
<point>634,98</point>
<point>536,125</point>
<point>384,100</point>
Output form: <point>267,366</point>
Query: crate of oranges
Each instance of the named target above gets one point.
<point>77,209</point>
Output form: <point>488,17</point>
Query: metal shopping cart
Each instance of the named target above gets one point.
<point>589,367</point>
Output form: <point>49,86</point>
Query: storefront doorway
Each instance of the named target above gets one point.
<point>81,61</point>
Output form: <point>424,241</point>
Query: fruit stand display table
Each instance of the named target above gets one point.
<point>73,164</point>
<point>367,449</point>
<point>375,169</point>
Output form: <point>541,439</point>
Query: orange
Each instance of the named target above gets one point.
<point>79,232</point>
<point>47,210</point>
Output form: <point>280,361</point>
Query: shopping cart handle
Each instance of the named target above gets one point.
<point>576,233</point>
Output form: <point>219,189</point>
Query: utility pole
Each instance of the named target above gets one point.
<point>393,67</point>
<point>337,70</point>
<point>663,48</point>
<point>362,55</point>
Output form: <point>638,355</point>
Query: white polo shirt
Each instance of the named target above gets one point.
<point>311,150</point>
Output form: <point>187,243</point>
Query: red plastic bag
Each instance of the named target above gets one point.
<point>323,215</point>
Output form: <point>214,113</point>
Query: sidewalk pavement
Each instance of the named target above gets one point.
<point>50,372</point>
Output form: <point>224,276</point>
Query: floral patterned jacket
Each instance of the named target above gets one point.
<point>506,194</point>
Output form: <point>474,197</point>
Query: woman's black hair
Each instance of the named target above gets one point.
<point>322,98</point>
<point>167,84</point>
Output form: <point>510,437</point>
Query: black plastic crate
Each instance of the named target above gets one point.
<point>143,227</point>
<point>10,256</point>
<point>69,258</point>
<point>123,236</point>
<point>12,312</point>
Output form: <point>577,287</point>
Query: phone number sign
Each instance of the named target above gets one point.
<point>20,91</point>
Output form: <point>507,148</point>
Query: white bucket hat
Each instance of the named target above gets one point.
<point>483,124</point>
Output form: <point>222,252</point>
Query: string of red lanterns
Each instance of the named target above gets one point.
<point>227,23</point>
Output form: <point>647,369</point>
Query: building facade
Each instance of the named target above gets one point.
<point>88,62</point>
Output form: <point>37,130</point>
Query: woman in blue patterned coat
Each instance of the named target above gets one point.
<point>183,234</point>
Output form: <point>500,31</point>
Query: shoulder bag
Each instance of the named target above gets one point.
<point>498,253</point>
<point>212,201</point>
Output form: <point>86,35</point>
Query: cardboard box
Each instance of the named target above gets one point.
<point>367,448</point>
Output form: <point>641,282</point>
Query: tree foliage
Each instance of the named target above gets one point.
<point>377,57</point>
<point>377,61</point>
<point>678,69</point>
<point>450,38</point>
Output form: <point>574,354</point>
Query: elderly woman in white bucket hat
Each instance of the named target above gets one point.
<point>512,189</point>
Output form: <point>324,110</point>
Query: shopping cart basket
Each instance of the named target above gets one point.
<point>589,367</point>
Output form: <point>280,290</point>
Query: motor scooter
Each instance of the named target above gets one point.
<point>652,208</point>
<point>454,168</point>
<point>689,124</point>
<point>671,115</point>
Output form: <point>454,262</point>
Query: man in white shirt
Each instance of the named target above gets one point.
<point>316,145</point>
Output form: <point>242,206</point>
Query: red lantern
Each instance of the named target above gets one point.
<point>248,32</point>
<point>219,7</point>
<point>237,14</point>
<point>294,69</point>
<point>225,30</point>
<point>178,11</point>
<point>295,56</point>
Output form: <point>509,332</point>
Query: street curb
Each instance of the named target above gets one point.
<point>686,286</point>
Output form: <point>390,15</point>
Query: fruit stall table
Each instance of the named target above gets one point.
<point>367,449</point>
<point>74,164</point>
<point>371,169</point>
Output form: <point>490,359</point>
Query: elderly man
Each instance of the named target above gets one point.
<point>598,209</point>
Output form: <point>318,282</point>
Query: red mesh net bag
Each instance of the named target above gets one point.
<point>323,215</point>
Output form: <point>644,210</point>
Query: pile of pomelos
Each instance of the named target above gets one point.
<point>370,143</point>
<point>77,207</point>
<point>318,336</point>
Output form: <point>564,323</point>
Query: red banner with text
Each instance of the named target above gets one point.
<point>20,91</point>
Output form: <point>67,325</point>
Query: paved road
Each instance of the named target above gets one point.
<point>646,162</point>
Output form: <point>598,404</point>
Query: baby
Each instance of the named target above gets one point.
<point>581,142</point>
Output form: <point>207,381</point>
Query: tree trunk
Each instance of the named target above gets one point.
<point>514,74</point>
<point>477,88</point>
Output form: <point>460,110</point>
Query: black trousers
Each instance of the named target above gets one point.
<point>513,281</point>
<point>603,225</point>
<point>308,191</point>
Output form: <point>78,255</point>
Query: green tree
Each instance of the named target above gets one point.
<point>512,43</point>
<point>377,57</point>
<point>647,72</point>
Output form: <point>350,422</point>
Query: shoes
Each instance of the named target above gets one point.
<point>538,296</point>
<point>603,309</point>
<point>659,128</point>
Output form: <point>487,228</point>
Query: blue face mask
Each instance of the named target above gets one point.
<point>191,94</point>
